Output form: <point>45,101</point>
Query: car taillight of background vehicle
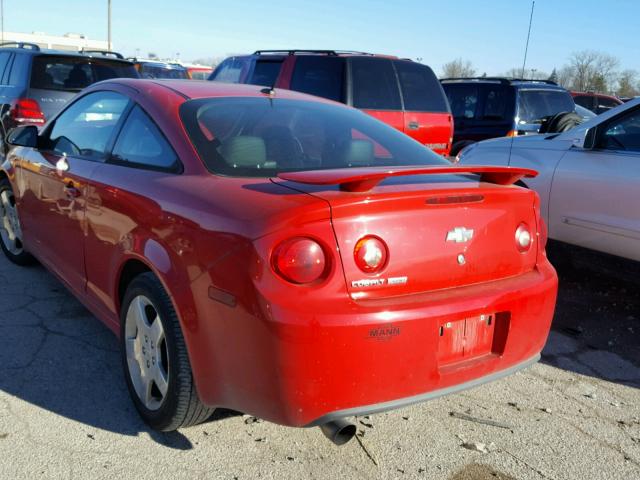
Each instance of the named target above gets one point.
<point>27,111</point>
<point>523,238</point>
<point>371,254</point>
<point>299,260</point>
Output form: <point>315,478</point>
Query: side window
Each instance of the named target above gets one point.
<point>85,128</point>
<point>623,133</point>
<point>141,143</point>
<point>605,104</point>
<point>19,70</point>
<point>230,70</point>
<point>374,84</point>
<point>584,101</point>
<point>463,100</point>
<point>4,61</point>
<point>421,90</point>
<point>320,76</point>
<point>266,72</point>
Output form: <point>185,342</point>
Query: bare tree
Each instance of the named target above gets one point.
<point>529,73</point>
<point>628,84</point>
<point>458,68</point>
<point>592,70</point>
<point>565,76</point>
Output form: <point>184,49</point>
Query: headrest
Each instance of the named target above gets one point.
<point>244,151</point>
<point>358,152</point>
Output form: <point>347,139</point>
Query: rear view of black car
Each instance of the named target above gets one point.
<point>35,84</point>
<point>486,108</point>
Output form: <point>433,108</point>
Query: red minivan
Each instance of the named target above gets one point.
<point>400,92</point>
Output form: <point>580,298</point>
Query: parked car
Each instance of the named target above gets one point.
<point>588,181</point>
<point>160,69</point>
<point>198,72</point>
<point>277,253</point>
<point>596,102</point>
<point>490,107</point>
<point>36,83</point>
<point>401,93</point>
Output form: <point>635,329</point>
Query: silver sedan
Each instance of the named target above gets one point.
<point>589,181</point>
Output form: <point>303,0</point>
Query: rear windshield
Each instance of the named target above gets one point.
<point>536,105</point>
<point>463,99</point>
<point>76,73</point>
<point>259,137</point>
<point>421,90</point>
<point>162,71</point>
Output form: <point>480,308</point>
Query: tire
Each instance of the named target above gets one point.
<point>164,392</point>
<point>10,230</point>
<point>561,122</point>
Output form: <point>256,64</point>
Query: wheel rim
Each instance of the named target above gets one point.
<point>146,351</point>
<point>10,231</point>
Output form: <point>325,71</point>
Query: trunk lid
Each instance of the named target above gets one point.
<point>427,222</point>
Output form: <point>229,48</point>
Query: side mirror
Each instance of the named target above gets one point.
<point>590,139</point>
<point>24,136</point>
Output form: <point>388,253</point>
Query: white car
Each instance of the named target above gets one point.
<point>589,180</point>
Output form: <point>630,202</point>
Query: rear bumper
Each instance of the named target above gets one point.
<point>303,361</point>
<point>405,402</point>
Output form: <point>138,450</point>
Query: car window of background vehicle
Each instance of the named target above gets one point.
<point>265,72</point>
<point>421,90</point>
<point>141,143</point>
<point>536,105</point>
<point>319,76</point>
<point>374,84</point>
<point>76,131</point>
<point>623,134</point>
<point>463,100</point>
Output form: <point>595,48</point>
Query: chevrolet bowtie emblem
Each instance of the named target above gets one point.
<point>459,235</point>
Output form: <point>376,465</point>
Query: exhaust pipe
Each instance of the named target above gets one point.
<point>339,431</point>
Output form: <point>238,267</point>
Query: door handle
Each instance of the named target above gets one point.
<point>71,191</point>
<point>414,125</point>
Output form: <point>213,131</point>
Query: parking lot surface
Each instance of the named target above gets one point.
<point>65,411</point>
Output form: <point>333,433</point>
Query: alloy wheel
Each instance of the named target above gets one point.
<point>10,231</point>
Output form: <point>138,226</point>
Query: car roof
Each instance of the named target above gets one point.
<point>102,55</point>
<point>516,82</point>
<point>325,53</point>
<point>595,94</point>
<point>190,89</point>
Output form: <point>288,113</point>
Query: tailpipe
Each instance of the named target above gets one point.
<point>338,431</point>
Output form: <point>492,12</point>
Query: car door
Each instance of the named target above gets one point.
<point>374,89</point>
<point>595,196</point>
<point>123,203</point>
<point>53,180</point>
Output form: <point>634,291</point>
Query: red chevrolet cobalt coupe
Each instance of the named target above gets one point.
<point>276,253</point>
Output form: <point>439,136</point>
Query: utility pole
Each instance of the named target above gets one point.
<point>108,25</point>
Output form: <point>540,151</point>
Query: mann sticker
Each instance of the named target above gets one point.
<point>384,333</point>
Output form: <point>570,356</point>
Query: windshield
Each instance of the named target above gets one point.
<point>75,73</point>
<point>536,105</point>
<point>163,71</point>
<point>260,137</point>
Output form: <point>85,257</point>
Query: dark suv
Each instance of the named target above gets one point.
<point>400,92</point>
<point>489,107</point>
<point>35,84</point>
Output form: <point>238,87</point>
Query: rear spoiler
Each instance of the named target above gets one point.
<point>363,179</point>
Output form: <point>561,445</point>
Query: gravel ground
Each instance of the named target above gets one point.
<point>65,411</point>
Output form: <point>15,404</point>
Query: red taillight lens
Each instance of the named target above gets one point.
<point>27,110</point>
<point>523,238</point>
<point>299,260</point>
<point>371,254</point>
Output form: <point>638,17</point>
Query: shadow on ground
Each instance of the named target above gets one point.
<point>56,355</point>
<point>596,328</point>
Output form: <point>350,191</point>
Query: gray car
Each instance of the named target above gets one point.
<point>588,182</point>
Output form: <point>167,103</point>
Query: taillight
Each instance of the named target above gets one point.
<point>27,111</point>
<point>371,254</point>
<point>299,260</point>
<point>523,238</point>
<point>512,133</point>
